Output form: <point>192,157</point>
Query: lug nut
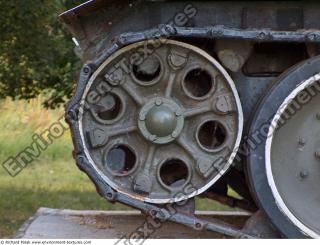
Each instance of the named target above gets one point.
<point>158,102</point>
<point>302,141</point>
<point>174,134</point>
<point>152,137</point>
<point>178,113</point>
<point>304,174</point>
<point>142,117</point>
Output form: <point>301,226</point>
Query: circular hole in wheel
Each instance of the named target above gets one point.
<point>148,71</point>
<point>174,173</point>
<point>212,135</point>
<point>121,160</point>
<point>198,83</point>
<point>109,107</point>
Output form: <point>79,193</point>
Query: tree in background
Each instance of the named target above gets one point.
<point>36,52</point>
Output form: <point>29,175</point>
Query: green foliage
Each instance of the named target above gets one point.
<point>36,52</point>
<point>52,180</point>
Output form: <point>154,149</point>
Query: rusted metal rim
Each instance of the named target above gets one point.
<point>268,153</point>
<point>233,151</point>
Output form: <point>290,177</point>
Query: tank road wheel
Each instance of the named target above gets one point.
<point>157,119</point>
<point>284,163</point>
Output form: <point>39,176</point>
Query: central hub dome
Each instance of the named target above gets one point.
<point>161,121</point>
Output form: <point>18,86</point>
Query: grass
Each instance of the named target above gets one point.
<point>53,180</point>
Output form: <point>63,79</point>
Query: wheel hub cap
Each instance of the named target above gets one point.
<point>161,121</point>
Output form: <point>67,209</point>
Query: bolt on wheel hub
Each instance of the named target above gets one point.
<point>164,128</point>
<point>161,121</point>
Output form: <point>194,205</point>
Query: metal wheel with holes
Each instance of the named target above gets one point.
<point>284,163</point>
<point>158,125</point>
